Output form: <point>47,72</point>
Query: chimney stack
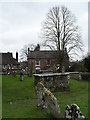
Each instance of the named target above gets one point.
<point>28,50</point>
<point>17,56</point>
<point>37,48</point>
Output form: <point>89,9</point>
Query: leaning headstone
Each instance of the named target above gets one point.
<point>73,112</point>
<point>39,95</point>
<point>47,101</point>
<point>52,103</point>
<point>21,76</point>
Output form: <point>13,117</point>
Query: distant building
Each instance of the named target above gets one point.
<point>43,59</point>
<point>8,62</point>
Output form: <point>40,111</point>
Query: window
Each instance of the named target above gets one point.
<point>4,67</point>
<point>37,62</point>
<point>48,62</point>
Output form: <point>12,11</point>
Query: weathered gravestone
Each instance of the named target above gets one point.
<point>53,81</point>
<point>47,101</point>
<point>21,76</point>
<point>73,112</point>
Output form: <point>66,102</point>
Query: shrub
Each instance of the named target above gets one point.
<point>85,76</point>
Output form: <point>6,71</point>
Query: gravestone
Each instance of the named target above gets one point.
<point>47,101</point>
<point>21,76</point>
<point>73,112</point>
<point>54,81</point>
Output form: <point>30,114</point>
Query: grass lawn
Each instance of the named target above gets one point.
<point>0,96</point>
<point>19,99</point>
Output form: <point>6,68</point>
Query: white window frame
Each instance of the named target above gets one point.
<point>4,66</point>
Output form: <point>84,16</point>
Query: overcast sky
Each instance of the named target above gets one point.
<point>20,22</point>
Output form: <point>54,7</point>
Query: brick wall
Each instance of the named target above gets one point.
<point>43,64</point>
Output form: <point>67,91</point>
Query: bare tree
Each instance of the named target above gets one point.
<point>61,32</point>
<point>24,51</point>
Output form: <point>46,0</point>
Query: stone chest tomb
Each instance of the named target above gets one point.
<point>54,81</point>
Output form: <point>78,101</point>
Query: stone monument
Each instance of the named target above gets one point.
<point>46,100</point>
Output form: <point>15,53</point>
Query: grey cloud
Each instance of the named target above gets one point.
<point>21,22</point>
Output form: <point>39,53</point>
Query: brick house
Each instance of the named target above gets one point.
<point>45,59</point>
<point>8,62</point>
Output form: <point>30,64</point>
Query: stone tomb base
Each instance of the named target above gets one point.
<point>54,81</point>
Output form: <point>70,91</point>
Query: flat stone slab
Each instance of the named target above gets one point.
<point>51,74</point>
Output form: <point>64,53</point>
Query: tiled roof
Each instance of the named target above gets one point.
<point>43,54</point>
<point>7,58</point>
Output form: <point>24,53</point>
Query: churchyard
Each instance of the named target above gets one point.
<point>19,98</point>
